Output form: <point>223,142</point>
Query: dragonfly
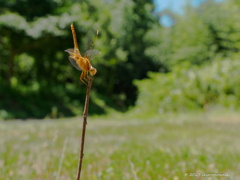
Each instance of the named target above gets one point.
<point>82,63</point>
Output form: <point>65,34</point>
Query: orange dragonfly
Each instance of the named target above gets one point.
<point>83,63</point>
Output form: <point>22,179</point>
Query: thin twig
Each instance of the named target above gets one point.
<point>85,113</point>
<point>62,157</point>
<point>133,169</point>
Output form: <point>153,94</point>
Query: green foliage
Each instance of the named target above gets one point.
<point>34,67</point>
<point>35,71</point>
<point>199,51</point>
<point>191,87</point>
<point>198,35</point>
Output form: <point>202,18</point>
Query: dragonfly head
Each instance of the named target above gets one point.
<point>93,71</point>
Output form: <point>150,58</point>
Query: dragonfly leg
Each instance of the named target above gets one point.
<point>83,75</point>
<point>86,74</point>
<point>81,78</point>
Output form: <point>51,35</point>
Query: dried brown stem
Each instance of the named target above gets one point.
<point>85,113</point>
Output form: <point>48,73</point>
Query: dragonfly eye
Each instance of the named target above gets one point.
<point>93,71</point>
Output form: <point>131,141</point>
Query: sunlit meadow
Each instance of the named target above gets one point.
<point>124,148</point>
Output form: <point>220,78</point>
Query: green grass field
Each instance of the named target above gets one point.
<point>122,148</point>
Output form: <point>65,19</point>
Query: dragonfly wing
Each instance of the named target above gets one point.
<point>92,53</point>
<point>74,63</point>
<point>72,51</point>
<point>76,51</point>
<point>90,38</point>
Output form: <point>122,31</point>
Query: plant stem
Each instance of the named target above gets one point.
<point>85,113</point>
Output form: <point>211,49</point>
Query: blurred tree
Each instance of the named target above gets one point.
<point>35,74</point>
<point>129,22</point>
<point>198,35</point>
<point>200,49</point>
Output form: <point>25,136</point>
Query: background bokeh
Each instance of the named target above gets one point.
<point>164,103</point>
<point>36,77</point>
<point>188,53</point>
